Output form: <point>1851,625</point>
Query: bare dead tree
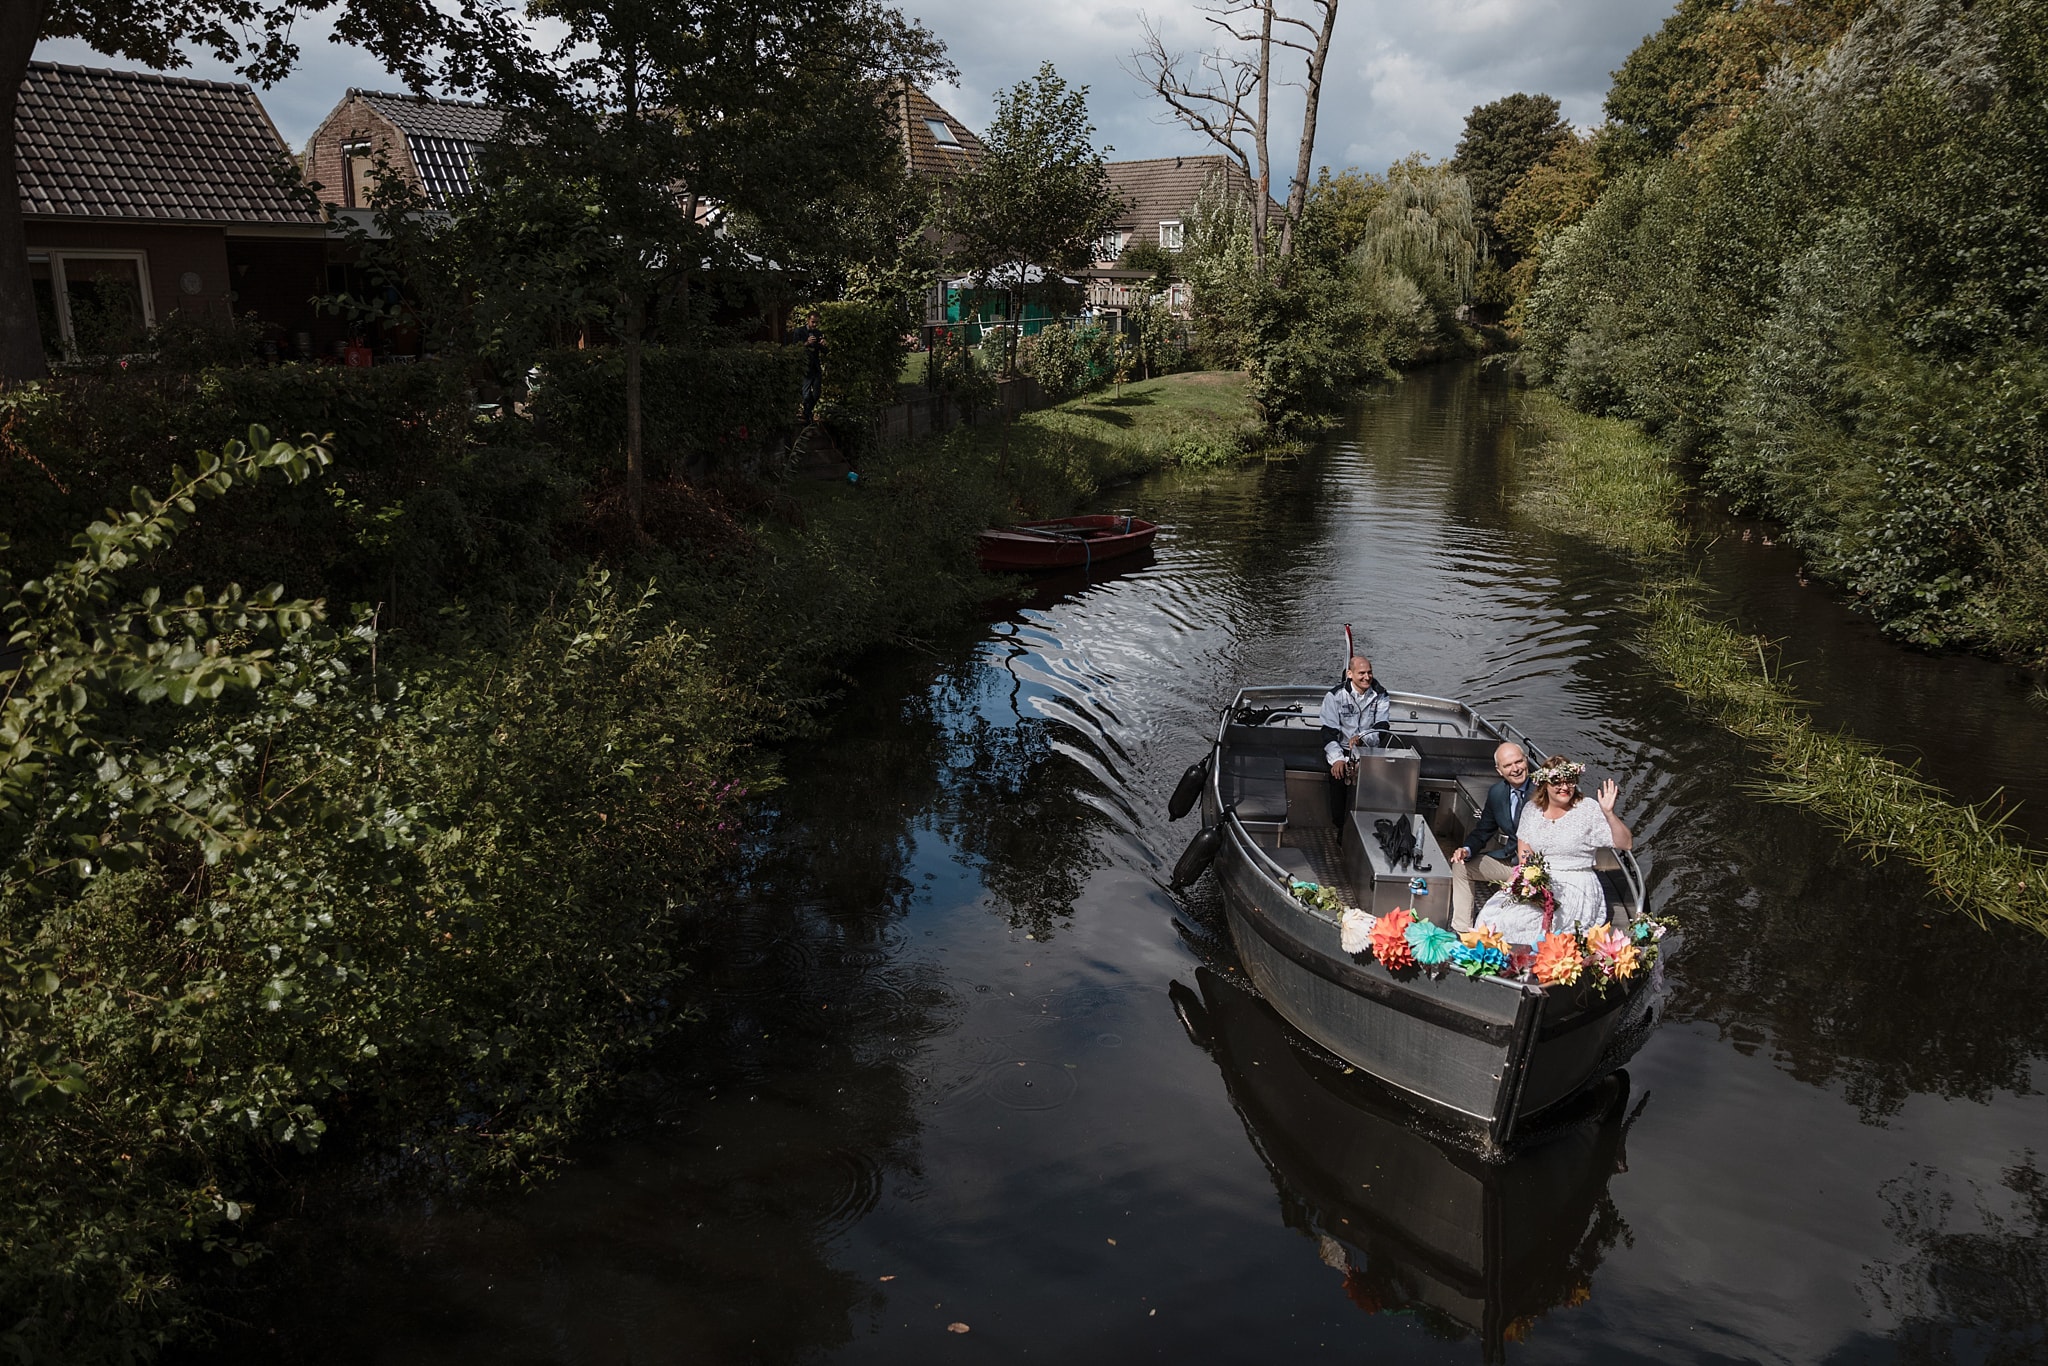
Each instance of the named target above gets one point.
<point>1225,93</point>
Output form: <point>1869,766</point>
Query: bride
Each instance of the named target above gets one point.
<point>1565,829</point>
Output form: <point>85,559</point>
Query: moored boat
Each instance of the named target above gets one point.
<point>1063,542</point>
<point>1493,1050</point>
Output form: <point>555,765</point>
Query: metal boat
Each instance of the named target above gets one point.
<point>1416,1224</point>
<point>1493,1052</point>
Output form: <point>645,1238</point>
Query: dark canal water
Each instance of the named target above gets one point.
<point>951,1083</point>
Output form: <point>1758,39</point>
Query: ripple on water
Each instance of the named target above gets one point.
<point>1030,1084</point>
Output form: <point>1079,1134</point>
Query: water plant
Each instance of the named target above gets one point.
<point>1604,480</point>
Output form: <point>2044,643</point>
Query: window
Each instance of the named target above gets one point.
<point>1111,245</point>
<point>1169,235</point>
<point>91,303</point>
<point>358,175</point>
<point>942,133</point>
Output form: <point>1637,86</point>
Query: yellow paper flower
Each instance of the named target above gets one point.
<point>1485,937</point>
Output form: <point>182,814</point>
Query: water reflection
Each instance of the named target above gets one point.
<point>1975,1285</point>
<point>935,1043</point>
<point>1416,1224</point>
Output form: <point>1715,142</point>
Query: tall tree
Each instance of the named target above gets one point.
<point>672,149</point>
<point>1502,140</point>
<point>1226,94</point>
<point>1040,196</point>
<point>416,40</point>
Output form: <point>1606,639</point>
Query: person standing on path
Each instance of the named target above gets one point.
<point>813,343</point>
<point>1493,835</point>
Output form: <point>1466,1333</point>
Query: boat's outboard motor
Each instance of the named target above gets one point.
<point>1190,789</point>
<point>1200,853</point>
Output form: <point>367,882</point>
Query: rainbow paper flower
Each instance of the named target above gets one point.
<point>1390,940</point>
<point>1432,944</point>
<point>1558,960</point>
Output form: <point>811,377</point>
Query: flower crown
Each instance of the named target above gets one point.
<point>1561,771</point>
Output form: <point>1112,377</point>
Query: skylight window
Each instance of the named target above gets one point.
<point>942,133</point>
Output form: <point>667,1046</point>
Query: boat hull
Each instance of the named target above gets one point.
<point>1491,1053</point>
<point>1065,543</point>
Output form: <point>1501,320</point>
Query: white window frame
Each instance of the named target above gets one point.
<point>1170,234</point>
<point>61,286</point>
<point>1111,245</point>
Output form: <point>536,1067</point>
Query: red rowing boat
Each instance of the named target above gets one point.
<point>1063,543</point>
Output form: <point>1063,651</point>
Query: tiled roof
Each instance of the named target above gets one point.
<point>1163,190</point>
<point>133,144</point>
<point>927,155</point>
<point>443,136</point>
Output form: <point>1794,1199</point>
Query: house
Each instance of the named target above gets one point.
<point>146,196</point>
<point>431,143</point>
<point>1159,201</point>
<point>934,142</point>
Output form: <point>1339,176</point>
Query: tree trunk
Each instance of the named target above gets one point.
<point>1297,194</point>
<point>21,339</point>
<point>1263,195</point>
<point>636,458</point>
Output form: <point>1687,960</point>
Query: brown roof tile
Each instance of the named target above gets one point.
<point>927,155</point>
<point>93,143</point>
<point>1163,190</point>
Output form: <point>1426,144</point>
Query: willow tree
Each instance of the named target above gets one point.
<point>1421,245</point>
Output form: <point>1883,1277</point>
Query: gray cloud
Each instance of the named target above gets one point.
<point>1402,75</point>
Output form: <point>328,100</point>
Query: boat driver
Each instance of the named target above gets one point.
<point>1357,716</point>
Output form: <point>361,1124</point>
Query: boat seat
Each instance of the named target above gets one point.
<point>1257,785</point>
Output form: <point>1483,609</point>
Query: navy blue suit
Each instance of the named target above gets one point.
<point>1497,822</point>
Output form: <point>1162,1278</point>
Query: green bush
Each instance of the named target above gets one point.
<point>701,408</point>
<point>1838,306</point>
<point>262,889</point>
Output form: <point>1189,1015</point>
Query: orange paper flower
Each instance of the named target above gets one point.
<point>1485,937</point>
<point>1390,940</point>
<point>1558,961</point>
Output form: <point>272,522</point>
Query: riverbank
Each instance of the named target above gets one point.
<point>412,895</point>
<point>1604,480</point>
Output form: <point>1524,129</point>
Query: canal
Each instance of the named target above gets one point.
<point>964,1063</point>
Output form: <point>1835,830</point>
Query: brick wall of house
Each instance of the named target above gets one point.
<point>353,120</point>
<point>171,253</point>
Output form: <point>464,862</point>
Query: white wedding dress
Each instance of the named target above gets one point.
<point>1567,845</point>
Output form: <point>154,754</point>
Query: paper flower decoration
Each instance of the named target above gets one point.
<point>1628,962</point>
<point>1390,940</point>
<point>1485,936</point>
<point>1479,960</point>
<point>1558,961</point>
<point>1431,944</point>
<point>1604,942</point>
<point>1354,929</point>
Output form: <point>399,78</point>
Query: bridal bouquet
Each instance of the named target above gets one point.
<point>1531,883</point>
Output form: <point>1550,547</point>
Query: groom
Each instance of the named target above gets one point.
<point>1493,836</point>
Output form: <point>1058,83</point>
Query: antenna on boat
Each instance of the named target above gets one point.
<point>1349,649</point>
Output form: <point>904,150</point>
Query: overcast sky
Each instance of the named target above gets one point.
<point>1403,73</point>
